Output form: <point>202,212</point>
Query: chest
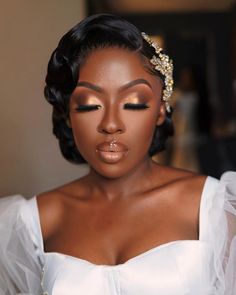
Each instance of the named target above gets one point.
<point>113,234</point>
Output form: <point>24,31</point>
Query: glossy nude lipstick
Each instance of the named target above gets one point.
<point>111,151</point>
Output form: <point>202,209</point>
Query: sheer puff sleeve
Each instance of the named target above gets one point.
<point>222,234</point>
<point>20,265</point>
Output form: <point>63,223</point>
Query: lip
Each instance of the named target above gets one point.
<point>112,146</point>
<point>111,151</point>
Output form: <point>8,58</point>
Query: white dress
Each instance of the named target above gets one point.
<point>187,267</point>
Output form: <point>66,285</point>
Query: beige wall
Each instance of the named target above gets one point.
<point>30,161</point>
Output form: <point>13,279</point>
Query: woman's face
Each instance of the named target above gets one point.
<point>114,111</point>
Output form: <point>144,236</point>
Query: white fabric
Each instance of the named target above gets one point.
<point>189,267</point>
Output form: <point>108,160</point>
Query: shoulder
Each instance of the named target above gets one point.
<point>187,186</point>
<point>50,210</point>
<point>52,206</point>
<point>14,203</point>
<point>11,199</point>
<point>181,180</point>
<point>184,190</point>
<point>189,193</point>
<point>16,218</point>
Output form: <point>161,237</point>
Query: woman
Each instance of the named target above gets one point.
<point>130,226</point>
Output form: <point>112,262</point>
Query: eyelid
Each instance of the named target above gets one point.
<point>87,107</point>
<point>86,99</point>
<point>136,106</point>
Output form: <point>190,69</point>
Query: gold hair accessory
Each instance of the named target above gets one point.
<point>164,65</point>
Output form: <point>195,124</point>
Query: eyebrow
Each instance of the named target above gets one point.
<point>122,88</point>
<point>135,82</point>
<point>90,86</point>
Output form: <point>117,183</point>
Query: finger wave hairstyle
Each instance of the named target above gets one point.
<point>94,32</point>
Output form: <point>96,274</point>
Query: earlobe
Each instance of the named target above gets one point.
<point>68,123</point>
<point>161,115</point>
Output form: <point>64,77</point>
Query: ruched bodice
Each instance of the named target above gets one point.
<point>186,267</point>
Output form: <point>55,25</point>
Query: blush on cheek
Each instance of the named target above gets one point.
<point>141,127</point>
<point>84,139</point>
<point>150,129</point>
<point>81,148</point>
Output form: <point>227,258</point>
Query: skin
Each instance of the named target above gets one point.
<point>119,210</point>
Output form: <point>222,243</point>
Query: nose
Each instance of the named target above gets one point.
<point>111,122</point>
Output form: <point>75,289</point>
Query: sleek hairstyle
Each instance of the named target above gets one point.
<point>94,32</point>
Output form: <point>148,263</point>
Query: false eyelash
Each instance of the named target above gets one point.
<point>87,108</point>
<point>136,106</point>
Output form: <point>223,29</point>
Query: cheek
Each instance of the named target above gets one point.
<point>141,127</point>
<point>84,128</point>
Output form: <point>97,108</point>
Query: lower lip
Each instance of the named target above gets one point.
<point>111,157</point>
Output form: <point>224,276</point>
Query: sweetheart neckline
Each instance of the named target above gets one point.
<point>200,239</point>
<point>130,260</point>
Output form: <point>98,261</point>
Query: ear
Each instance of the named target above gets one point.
<point>162,114</point>
<point>68,123</point>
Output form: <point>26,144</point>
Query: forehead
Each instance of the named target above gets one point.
<point>111,66</point>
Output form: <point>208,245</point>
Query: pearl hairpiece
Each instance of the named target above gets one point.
<point>164,65</point>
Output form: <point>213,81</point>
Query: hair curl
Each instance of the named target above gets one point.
<point>96,31</point>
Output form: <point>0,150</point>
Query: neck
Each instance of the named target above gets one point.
<point>136,181</point>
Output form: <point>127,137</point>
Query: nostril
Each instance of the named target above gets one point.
<point>110,131</point>
<point>111,123</point>
<point>111,127</point>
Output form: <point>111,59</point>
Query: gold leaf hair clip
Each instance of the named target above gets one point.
<point>163,64</point>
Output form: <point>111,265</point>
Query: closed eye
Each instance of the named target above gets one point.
<point>136,106</point>
<point>88,108</point>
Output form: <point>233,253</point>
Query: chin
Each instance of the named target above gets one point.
<point>115,171</point>
<point>111,171</point>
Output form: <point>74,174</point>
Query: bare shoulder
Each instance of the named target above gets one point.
<point>189,189</point>
<point>185,190</point>
<point>182,179</point>
<point>51,206</point>
<point>50,211</point>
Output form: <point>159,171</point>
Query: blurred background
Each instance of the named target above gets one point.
<point>200,36</point>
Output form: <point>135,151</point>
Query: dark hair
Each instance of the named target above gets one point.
<point>96,31</point>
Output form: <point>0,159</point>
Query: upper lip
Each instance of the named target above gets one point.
<point>112,146</point>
